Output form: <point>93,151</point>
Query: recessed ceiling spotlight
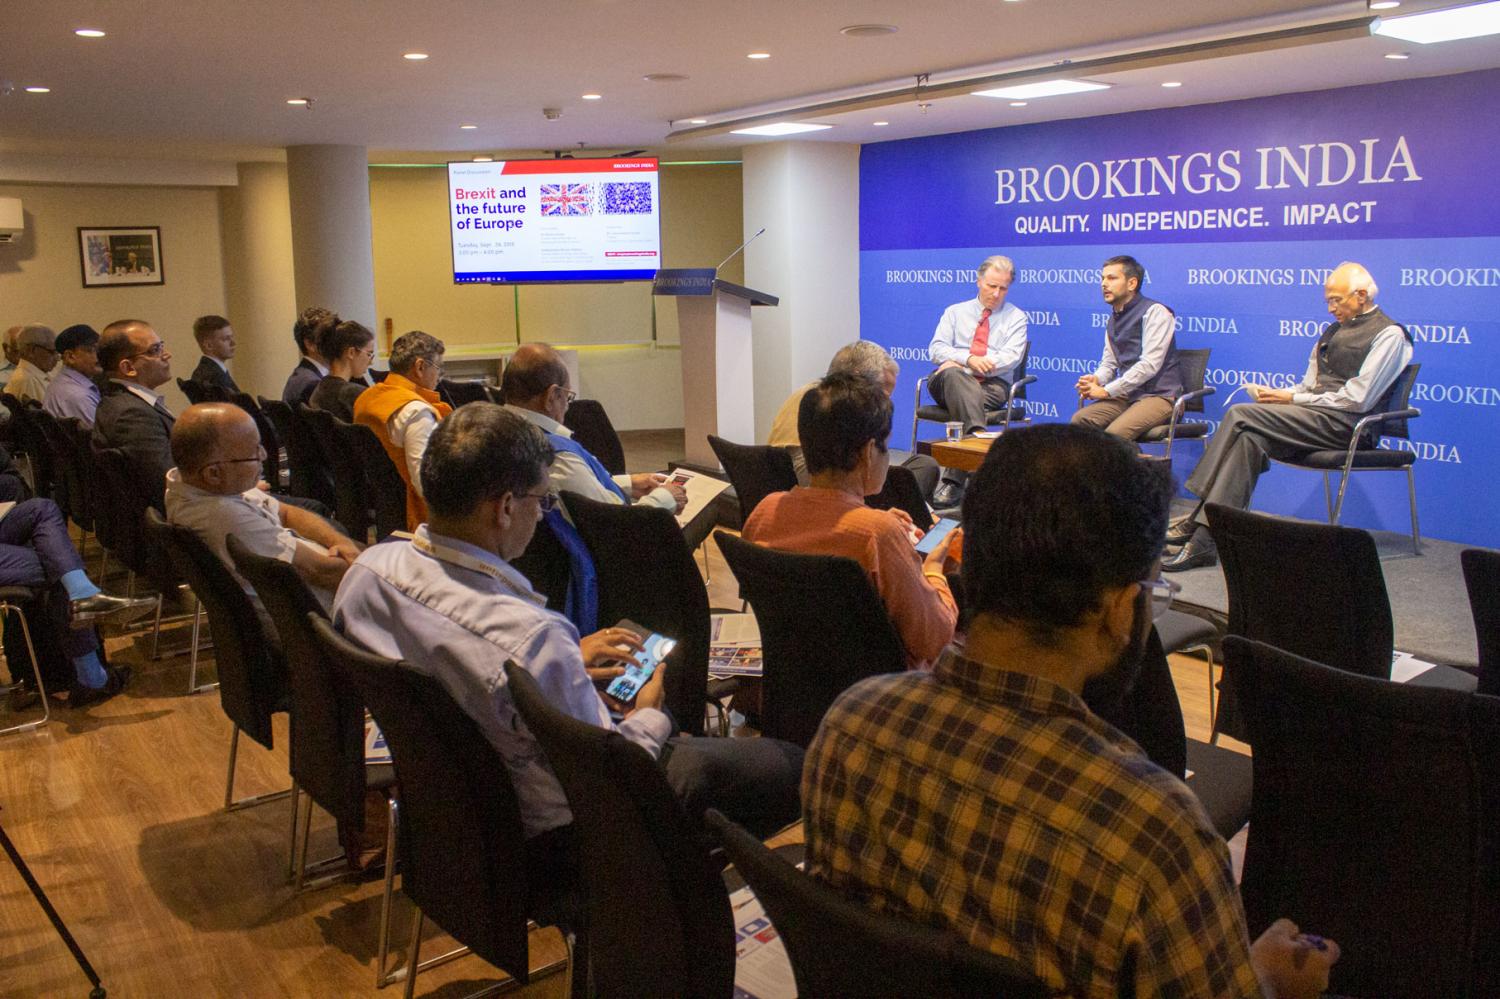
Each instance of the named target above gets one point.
<point>1171,84</point>
<point>1384,4</point>
<point>758,55</point>
<point>593,97</point>
<point>298,101</point>
<point>664,77</point>
<point>484,159</point>
<point>1398,55</point>
<point>414,56</point>
<point>868,30</point>
<point>697,121</point>
<point>781,128</point>
<point>1474,20</point>
<point>880,124</point>
<point>1046,88</point>
<point>88,32</point>
<point>39,90</point>
<point>1018,104</point>
<point>468,128</point>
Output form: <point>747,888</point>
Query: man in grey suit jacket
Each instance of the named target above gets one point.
<point>132,415</point>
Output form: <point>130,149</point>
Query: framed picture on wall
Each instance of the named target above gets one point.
<point>120,255</point>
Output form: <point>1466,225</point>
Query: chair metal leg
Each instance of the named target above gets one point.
<point>1328,499</point>
<point>1338,506</point>
<point>412,952</point>
<point>296,861</point>
<point>36,672</point>
<point>1416,532</point>
<point>230,804</point>
<point>156,630</point>
<point>1208,656</point>
<point>392,816</point>
<point>196,644</point>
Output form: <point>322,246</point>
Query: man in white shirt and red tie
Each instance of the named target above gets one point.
<point>976,346</point>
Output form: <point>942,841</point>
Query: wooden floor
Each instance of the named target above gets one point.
<point>118,808</point>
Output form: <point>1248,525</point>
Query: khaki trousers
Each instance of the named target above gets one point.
<point>1123,418</point>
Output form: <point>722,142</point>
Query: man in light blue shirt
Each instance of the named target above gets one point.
<point>449,603</point>
<point>73,393</point>
<point>977,346</point>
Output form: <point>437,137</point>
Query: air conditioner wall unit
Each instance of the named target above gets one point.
<point>12,222</point>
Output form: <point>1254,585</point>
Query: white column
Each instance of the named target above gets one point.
<point>329,188</point>
<point>806,194</point>
<point>258,278</point>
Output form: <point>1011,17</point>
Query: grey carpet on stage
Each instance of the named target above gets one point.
<point>1429,604</point>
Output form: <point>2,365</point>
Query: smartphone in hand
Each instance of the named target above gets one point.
<point>638,670</point>
<point>934,537</point>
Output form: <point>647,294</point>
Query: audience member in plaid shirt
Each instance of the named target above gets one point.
<point>985,797</point>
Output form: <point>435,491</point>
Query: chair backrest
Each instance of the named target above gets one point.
<point>1192,365</point>
<point>328,747</point>
<point>755,471</point>
<point>1397,397</point>
<point>1373,821</point>
<point>1018,392</point>
<point>902,492</point>
<point>252,674</point>
<point>838,947</point>
<point>1339,615</point>
<point>269,438</point>
<point>29,436</point>
<point>545,565</point>
<point>658,913</point>
<point>493,394</point>
<point>309,472</point>
<point>124,506</point>
<point>460,840</point>
<point>592,429</point>
<point>822,629</point>
<point>1482,578</point>
<point>350,491</point>
<point>195,391</point>
<point>60,456</point>
<point>387,495</point>
<point>72,444</point>
<point>458,392</point>
<point>662,590</point>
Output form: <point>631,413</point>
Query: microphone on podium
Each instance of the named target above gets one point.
<point>741,247</point>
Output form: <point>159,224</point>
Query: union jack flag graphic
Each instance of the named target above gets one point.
<point>565,199</point>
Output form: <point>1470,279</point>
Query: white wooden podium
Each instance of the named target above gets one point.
<point>718,367</point>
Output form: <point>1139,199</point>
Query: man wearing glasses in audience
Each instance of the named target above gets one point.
<point>36,346</point>
<point>404,410</point>
<point>986,797</point>
<point>73,393</point>
<point>132,415</point>
<point>535,384</point>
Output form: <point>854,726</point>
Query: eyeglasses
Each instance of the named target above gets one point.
<point>548,501</point>
<point>569,392</point>
<point>155,350</point>
<point>260,456</point>
<point>1162,592</point>
<point>1336,300</point>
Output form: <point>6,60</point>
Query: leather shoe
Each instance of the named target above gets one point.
<point>947,494</point>
<point>22,697</point>
<point>101,608</point>
<point>119,678</point>
<point>1194,555</point>
<point>1181,532</point>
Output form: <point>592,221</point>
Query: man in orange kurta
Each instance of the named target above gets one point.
<point>404,409</point>
<point>844,422</point>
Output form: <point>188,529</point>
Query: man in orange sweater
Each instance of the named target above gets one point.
<point>843,423</point>
<point>404,409</point>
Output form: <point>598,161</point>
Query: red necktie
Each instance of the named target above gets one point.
<point>981,343</point>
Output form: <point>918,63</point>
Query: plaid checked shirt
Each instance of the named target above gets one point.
<point>995,804</point>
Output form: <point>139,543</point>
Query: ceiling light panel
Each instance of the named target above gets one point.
<point>1455,23</point>
<point>781,128</point>
<point>1045,88</point>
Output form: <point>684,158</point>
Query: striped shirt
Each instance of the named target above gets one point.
<point>994,804</point>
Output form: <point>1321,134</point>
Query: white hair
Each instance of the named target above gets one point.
<point>35,334</point>
<point>1359,279</point>
<point>862,357</point>
<point>999,262</point>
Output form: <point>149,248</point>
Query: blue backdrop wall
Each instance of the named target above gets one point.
<point>1238,211</point>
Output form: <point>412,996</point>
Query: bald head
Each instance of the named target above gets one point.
<point>529,380</point>
<point>212,444</point>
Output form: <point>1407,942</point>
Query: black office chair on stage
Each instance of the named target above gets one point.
<point>667,595</point>
<point>755,471</point>
<point>659,922</point>
<point>460,841</point>
<point>840,948</point>
<point>822,629</point>
<point>902,492</point>
<point>1374,821</point>
<point>1012,410</point>
<point>1193,366</point>
<point>1390,418</point>
<point>1482,579</point>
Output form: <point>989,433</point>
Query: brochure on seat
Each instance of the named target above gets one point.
<point>376,750</point>
<point>761,967</point>
<point>1406,667</point>
<point>734,646</point>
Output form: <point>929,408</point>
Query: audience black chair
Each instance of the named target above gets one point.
<point>667,595</point>
<point>387,489</point>
<point>659,922</point>
<point>1012,410</point>
<point>1193,365</point>
<point>15,600</point>
<point>460,841</point>
<point>275,469</point>
<point>592,429</point>
<point>29,437</point>
<point>458,392</point>
<point>1482,579</point>
<point>822,628</point>
<point>197,392</point>
<point>840,948</point>
<point>252,670</point>
<point>67,489</point>
<point>309,471</point>
<point>902,492</point>
<point>1391,418</point>
<point>1374,822</point>
<point>328,719</point>
<point>351,491</point>
<point>755,471</point>
<point>1181,632</point>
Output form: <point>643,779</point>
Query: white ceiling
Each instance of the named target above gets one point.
<point>208,79</point>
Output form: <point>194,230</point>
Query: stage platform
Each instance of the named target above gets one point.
<point>1429,604</point>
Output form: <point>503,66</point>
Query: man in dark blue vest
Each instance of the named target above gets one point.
<point>1132,389</point>
<point>1352,367</point>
